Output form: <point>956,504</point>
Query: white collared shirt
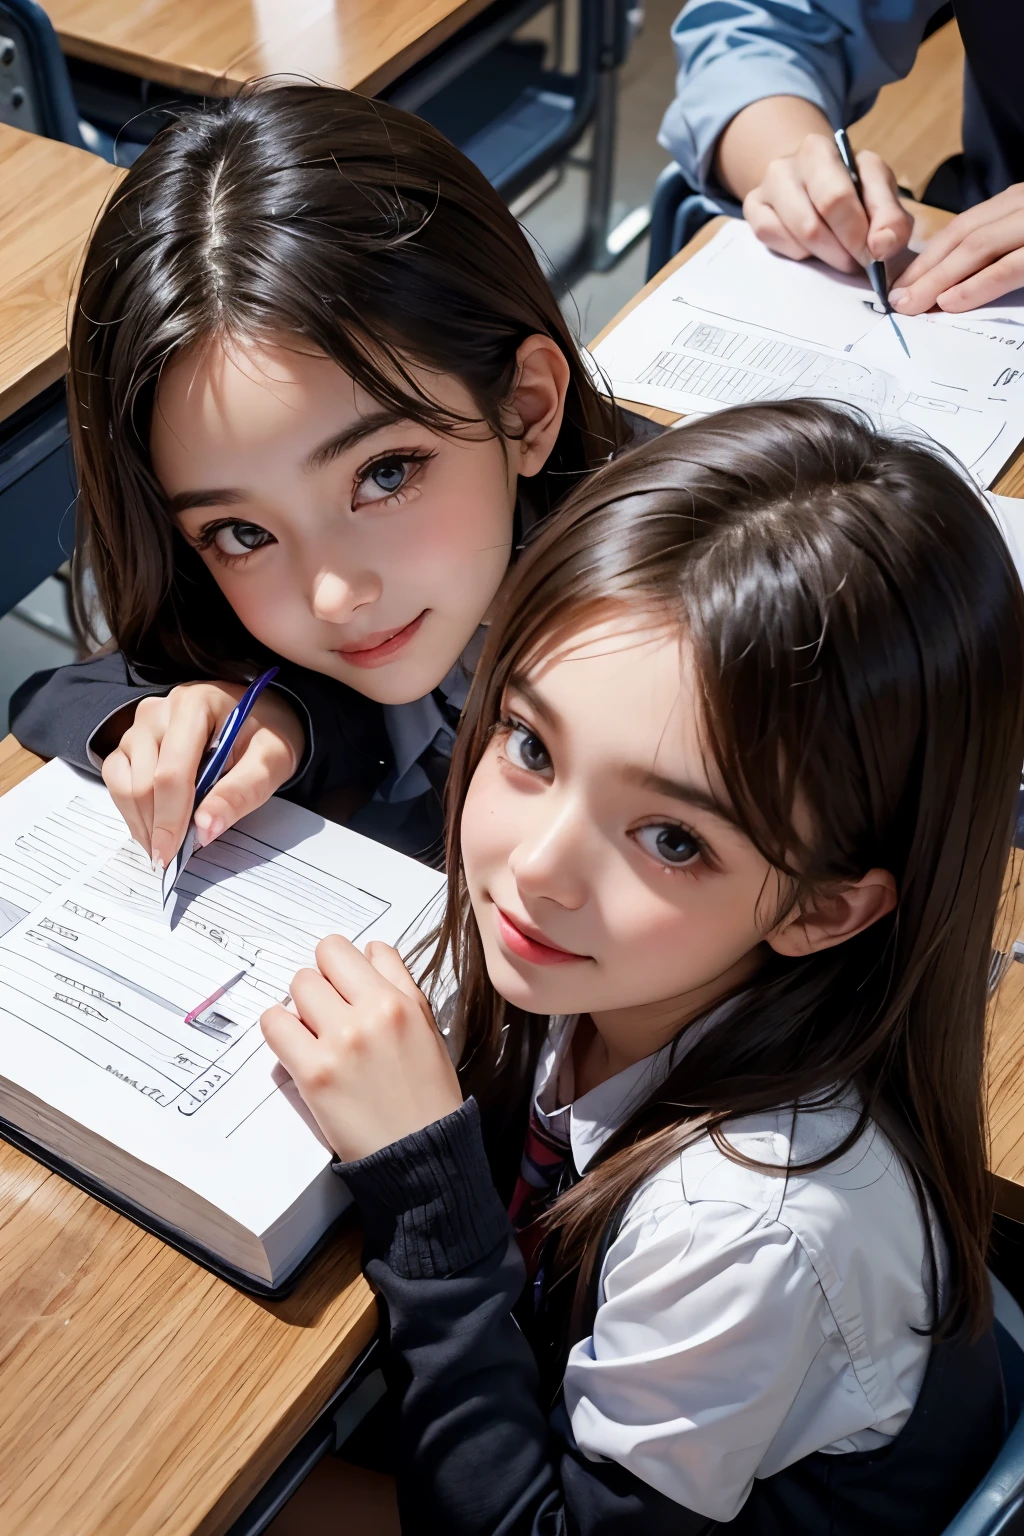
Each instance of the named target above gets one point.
<point>745,1320</point>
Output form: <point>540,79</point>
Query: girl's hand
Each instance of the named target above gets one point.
<point>806,205</point>
<point>364,1051</point>
<point>977,258</point>
<point>151,774</point>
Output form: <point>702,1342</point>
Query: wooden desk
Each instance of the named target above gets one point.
<point>50,195</point>
<point>212,49</point>
<point>141,1396</point>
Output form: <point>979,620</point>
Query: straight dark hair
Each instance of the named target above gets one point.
<point>858,626</point>
<point>301,211</point>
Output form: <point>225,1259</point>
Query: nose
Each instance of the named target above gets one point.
<point>553,862</point>
<point>335,598</point>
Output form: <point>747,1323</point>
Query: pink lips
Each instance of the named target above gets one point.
<point>527,947</point>
<point>378,649</point>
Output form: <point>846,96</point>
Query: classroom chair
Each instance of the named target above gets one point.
<point>492,95</point>
<point>35,88</point>
<point>677,212</point>
<point>37,495</point>
<point>996,1507</point>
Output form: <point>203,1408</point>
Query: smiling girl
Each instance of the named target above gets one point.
<point>730,815</point>
<point>319,389</point>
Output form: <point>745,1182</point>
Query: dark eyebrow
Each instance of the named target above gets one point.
<point>675,789</point>
<point>521,686</point>
<point>321,455</point>
<point>214,498</point>
<point>331,447</point>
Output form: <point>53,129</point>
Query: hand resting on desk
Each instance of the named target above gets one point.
<point>151,773</point>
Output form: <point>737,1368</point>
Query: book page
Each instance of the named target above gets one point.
<point>738,324</point>
<point>97,985</point>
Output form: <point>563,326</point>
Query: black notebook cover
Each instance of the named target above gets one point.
<point>163,1230</point>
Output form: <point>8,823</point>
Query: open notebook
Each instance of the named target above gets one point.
<point>193,1130</point>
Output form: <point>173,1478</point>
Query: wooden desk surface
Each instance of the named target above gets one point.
<point>213,48</point>
<point>140,1395</point>
<point>50,195</point>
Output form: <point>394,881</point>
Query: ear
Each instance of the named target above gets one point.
<point>831,917</point>
<point>538,401</point>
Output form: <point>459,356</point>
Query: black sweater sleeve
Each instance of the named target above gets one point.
<point>476,1453</point>
<point>56,714</point>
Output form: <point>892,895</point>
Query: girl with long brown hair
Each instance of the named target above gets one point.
<point>319,388</point>
<point>729,818</point>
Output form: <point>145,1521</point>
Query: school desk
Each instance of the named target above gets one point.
<point>139,1396</point>
<point>212,48</point>
<point>50,195</point>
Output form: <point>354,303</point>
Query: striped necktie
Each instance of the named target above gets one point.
<point>546,1158</point>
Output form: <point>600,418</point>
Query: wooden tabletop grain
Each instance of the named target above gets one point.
<point>50,196</point>
<point>212,49</point>
<point>139,1395</point>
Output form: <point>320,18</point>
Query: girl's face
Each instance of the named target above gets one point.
<point>604,869</point>
<point>346,539</point>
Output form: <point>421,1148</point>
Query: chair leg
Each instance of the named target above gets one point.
<point>606,244</point>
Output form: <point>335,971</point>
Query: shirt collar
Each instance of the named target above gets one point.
<point>414,726</point>
<point>588,1121</point>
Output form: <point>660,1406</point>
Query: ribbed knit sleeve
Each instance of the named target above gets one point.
<point>428,1202</point>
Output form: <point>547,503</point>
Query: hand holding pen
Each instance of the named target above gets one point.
<point>151,762</point>
<point>802,201</point>
<point>874,269</point>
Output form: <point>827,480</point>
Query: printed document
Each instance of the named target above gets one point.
<point>737,323</point>
<point>97,985</point>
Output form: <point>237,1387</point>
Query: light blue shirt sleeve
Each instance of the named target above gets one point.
<point>835,53</point>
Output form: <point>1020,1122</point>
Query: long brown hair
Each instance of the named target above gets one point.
<point>312,213</point>
<point>858,626</point>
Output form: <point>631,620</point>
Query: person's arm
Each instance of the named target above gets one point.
<point>307,736</point>
<point>62,712</point>
<point>476,1454</point>
<point>760,89</point>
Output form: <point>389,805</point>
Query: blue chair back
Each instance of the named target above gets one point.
<point>996,1507</point>
<point>35,90</point>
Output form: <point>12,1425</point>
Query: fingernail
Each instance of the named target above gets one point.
<point>209,832</point>
<point>158,865</point>
<point>897,296</point>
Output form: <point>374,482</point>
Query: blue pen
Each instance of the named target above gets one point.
<point>215,760</point>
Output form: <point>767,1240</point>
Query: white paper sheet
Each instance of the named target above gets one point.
<point>95,987</point>
<point>738,323</point>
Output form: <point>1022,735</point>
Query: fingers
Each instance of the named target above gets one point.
<point>806,205</point>
<point>317,1002</point>
<point>806,194</point>
<point>986,286</point>
<point>974,260</point>
<point>290,1040</point>
<point>350,973</point>
<point>890,225</point>
<point>189,730</point>
<point>117,776</point>
<point>263,762</point>
<point>387,962</point>
<point>151,774</point>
